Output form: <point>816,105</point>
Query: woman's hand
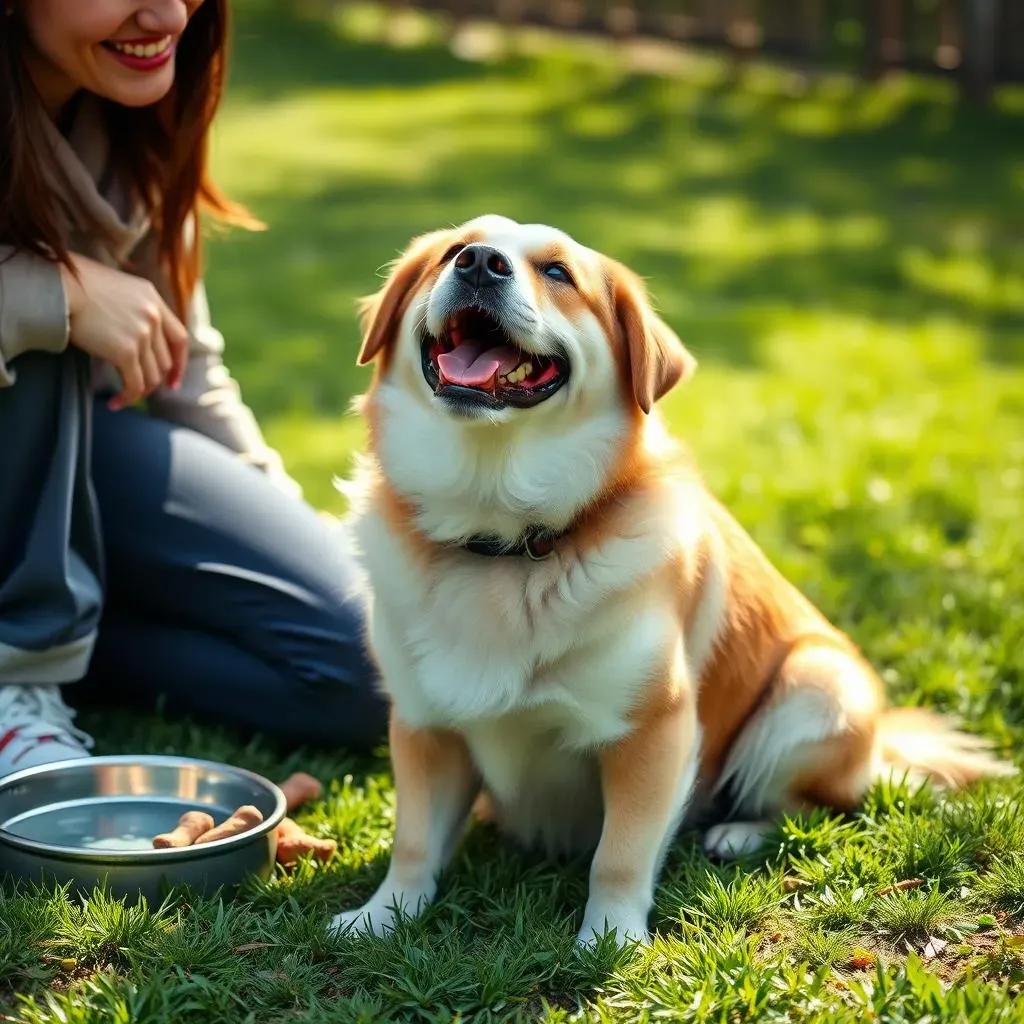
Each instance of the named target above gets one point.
<point>123,320</point>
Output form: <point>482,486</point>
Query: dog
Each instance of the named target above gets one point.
<point>567,623</point>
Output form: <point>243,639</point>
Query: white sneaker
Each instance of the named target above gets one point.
<point>36,727</point>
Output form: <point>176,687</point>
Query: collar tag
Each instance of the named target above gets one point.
<point>539,547</point>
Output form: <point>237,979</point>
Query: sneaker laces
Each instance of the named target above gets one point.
<point>39,711</point>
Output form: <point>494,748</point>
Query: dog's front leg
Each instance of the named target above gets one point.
<point>647,779</point>
<point>435,786</point>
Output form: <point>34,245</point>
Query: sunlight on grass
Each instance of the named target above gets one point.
<point>375,135</point>
<point>905,915</point>
<point>318,451</point>
<point>1004,886</point>
<point>968,277</point>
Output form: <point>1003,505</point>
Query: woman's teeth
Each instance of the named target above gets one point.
<point>142,50</point>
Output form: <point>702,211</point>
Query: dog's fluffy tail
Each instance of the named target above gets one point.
<point>923,745</point>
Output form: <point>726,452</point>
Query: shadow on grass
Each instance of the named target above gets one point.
<point>278,54</point>
<point>890,203</point>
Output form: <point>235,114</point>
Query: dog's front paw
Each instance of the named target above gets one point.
<point>626,925</point>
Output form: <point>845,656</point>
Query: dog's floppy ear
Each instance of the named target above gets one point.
<point>381,313</point>
<point>657,359</point>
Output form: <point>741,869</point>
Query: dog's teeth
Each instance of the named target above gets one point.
<point>520,373</point>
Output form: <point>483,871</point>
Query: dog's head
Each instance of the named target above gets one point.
<point>503,317</point>
<point>501,335</point>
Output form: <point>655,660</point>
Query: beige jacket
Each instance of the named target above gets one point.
<point>34,312</point>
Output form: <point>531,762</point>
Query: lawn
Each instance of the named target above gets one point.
<point>847,264</point>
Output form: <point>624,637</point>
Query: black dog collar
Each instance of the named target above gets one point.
<point>536,543</point>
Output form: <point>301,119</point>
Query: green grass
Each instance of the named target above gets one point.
<point>847,264</point>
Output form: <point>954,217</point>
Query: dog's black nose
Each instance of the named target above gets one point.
<point>483,266</point>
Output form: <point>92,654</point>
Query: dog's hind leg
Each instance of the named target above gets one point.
<point>823,737</point>
<point>812,743</point>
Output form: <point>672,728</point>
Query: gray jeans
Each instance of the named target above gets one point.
<point>141,561</point>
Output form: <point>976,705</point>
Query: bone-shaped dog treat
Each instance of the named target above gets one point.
<point>197,827</point>
<point>293,841</point>
<point>300,788</point>
<point>242,820</point>
<point>191,825</point>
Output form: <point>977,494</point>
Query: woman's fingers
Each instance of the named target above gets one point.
<point>162,354</point>
<point>134,383</point>
<point>177,343</point>
<point>123,320</point>
<point>151,374</point>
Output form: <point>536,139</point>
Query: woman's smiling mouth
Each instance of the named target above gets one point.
<point>142,54</point>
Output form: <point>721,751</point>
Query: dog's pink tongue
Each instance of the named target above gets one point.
<point>473,366</point>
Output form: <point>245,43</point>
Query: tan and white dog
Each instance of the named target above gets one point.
<point>567,622</point>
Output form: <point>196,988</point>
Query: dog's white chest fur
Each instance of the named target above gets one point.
<point>534,663</point>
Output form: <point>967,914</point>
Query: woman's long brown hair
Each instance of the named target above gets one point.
<point>162,150</point>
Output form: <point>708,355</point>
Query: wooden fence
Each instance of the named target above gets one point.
<point>979,42</point>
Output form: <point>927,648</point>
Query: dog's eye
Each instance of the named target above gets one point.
<point>452,252</point>
<point>557,272</point>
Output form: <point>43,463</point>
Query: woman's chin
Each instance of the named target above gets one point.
<point>139,93</point>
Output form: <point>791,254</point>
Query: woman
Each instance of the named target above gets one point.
<point>162,552</point>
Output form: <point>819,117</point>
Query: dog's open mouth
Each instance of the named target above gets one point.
<point>476,362</point>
